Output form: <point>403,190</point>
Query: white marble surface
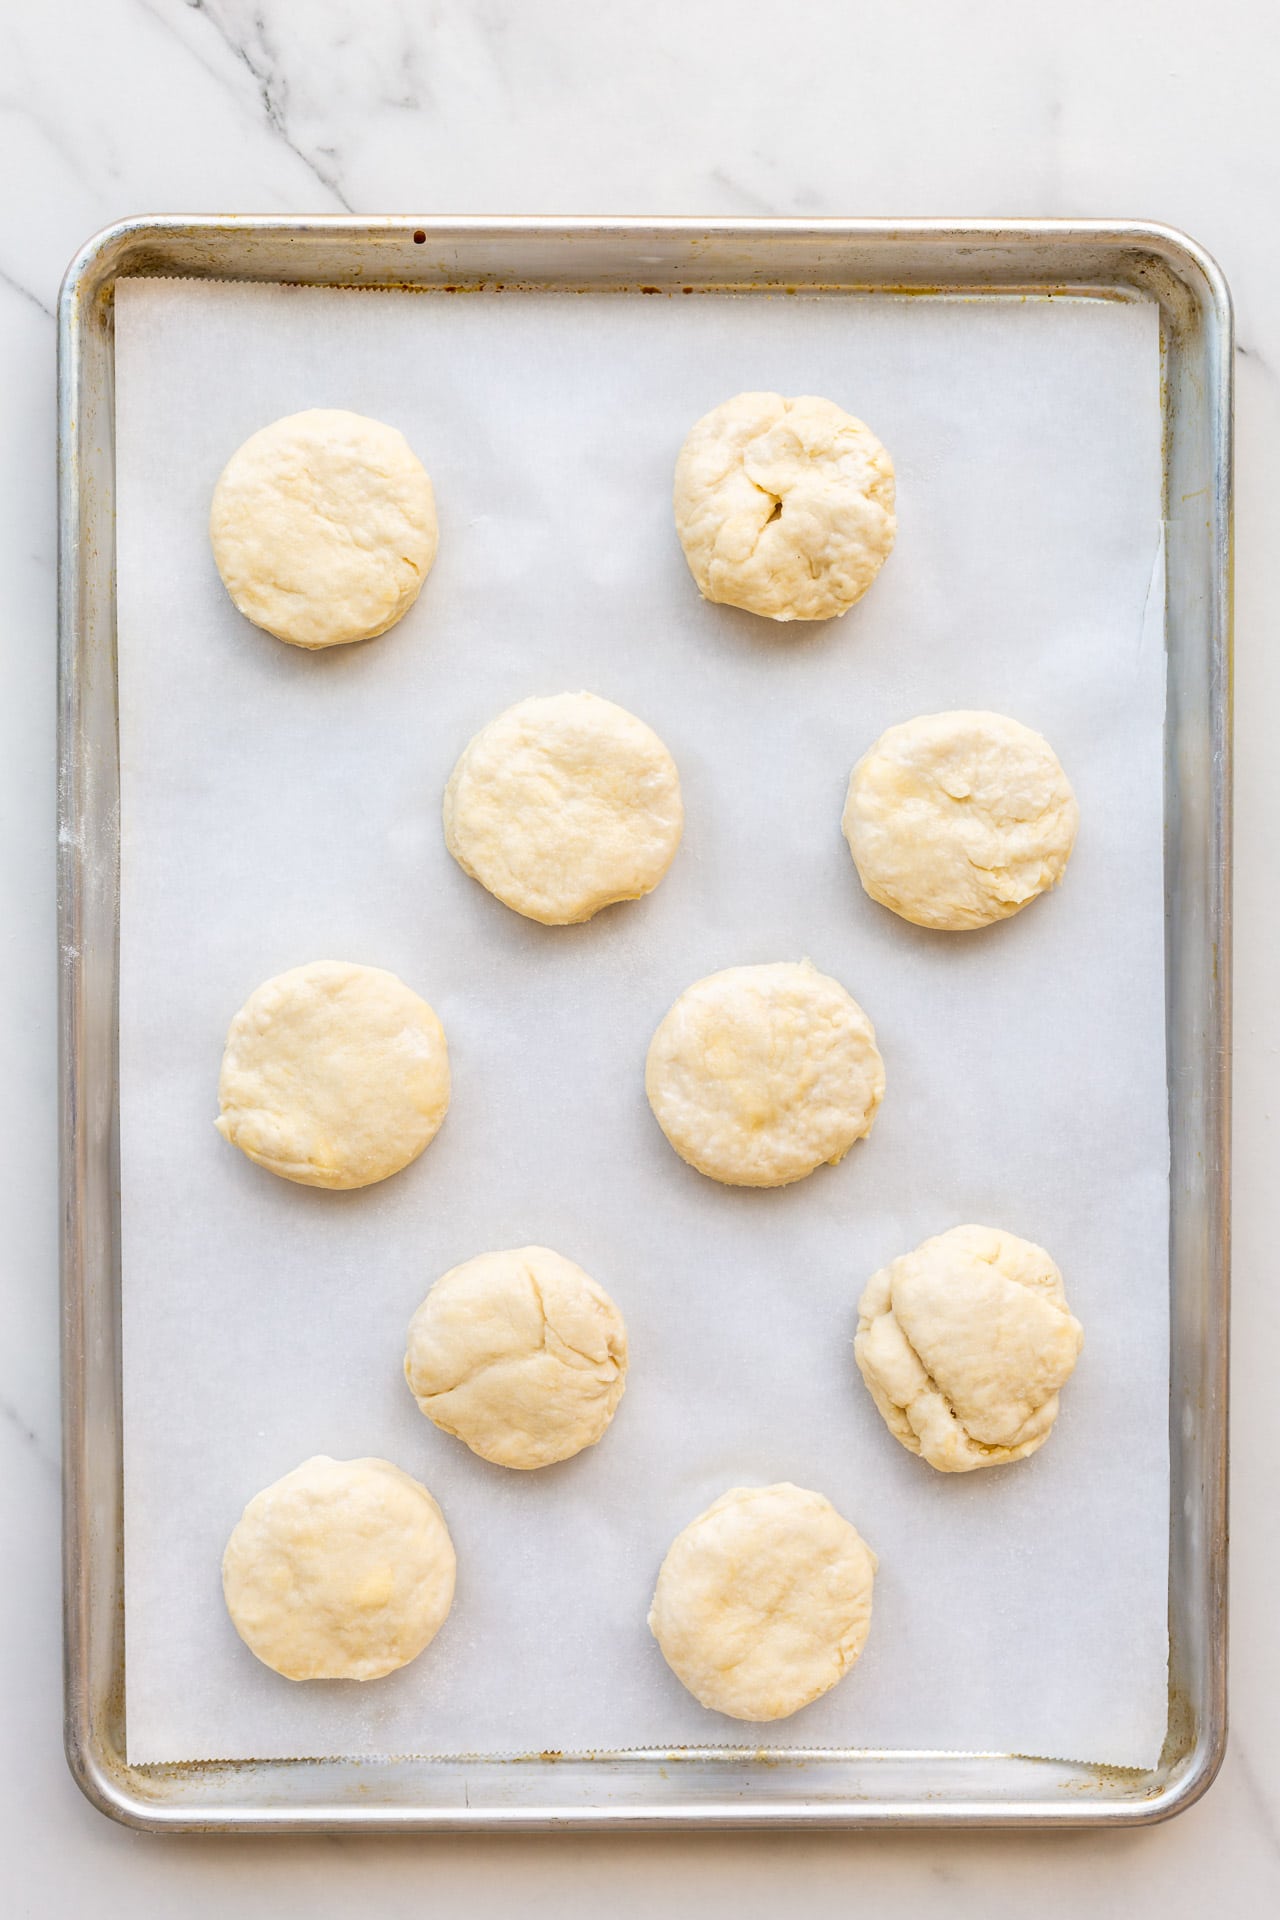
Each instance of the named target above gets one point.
<point>110,107</point>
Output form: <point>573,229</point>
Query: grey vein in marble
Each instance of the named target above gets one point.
<point>260,59</point>
<point>746,196</point>
<point>25,293</point>
<point>263,63</point>
<point>1262,1805</point>
<point>14,1421</point>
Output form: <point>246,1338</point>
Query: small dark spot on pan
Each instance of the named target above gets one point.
<point>651,289</point>
<point>419,238</point>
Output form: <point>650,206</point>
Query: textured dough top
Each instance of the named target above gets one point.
<point>784,507</point>
<point>519,1354</point>
<point>760,1074</point>
<point>964,1344</point>
<point>324,527</point>
<point>764,1601</point>
<point>342,1570</point>
<point>955,820</point>
<point>563,805</point>
<point>334,1075</point>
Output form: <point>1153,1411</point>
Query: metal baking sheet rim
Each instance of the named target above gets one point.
<point>712,1787</point>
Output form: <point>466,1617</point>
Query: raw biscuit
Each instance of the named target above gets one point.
<point>519,1354</point>
<point>956,820</point>
<point>964,1345</point>
<point>784,507</point>
<point>334,1075</point>
<point>764,1601</point>
<point>563,805</point>
<point>324,527</point>
<point>342,1570</point>
<point>757,1075</point>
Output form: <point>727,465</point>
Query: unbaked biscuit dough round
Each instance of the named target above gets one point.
<point>955,820</point>
<point>760,1074</point>
<point>964,1345</point>
<point>519,1354</point>
<point>784,507</point>
<point>324,527</point>
<point>342,1570</point>
<point>764,1601</point>
<point>334,1075</point>
<point>563,805</point>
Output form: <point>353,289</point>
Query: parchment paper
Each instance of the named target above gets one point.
<point>279,807</point>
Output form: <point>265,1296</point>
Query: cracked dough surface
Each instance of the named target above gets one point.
<point>334,1075</point>
<point>764,1601</point>
<point>964,1345</point>
<point>519,1354</point>
<point>563,805</point>
<point>784,507</point>
<point>342,1570</point>
<point>758,1075</point>
<point>324,527</point>
<point>955,820</point>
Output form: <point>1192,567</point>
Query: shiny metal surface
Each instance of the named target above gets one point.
<point>713,1786</point>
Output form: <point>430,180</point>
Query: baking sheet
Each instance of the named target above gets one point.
<point>278,807</point>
